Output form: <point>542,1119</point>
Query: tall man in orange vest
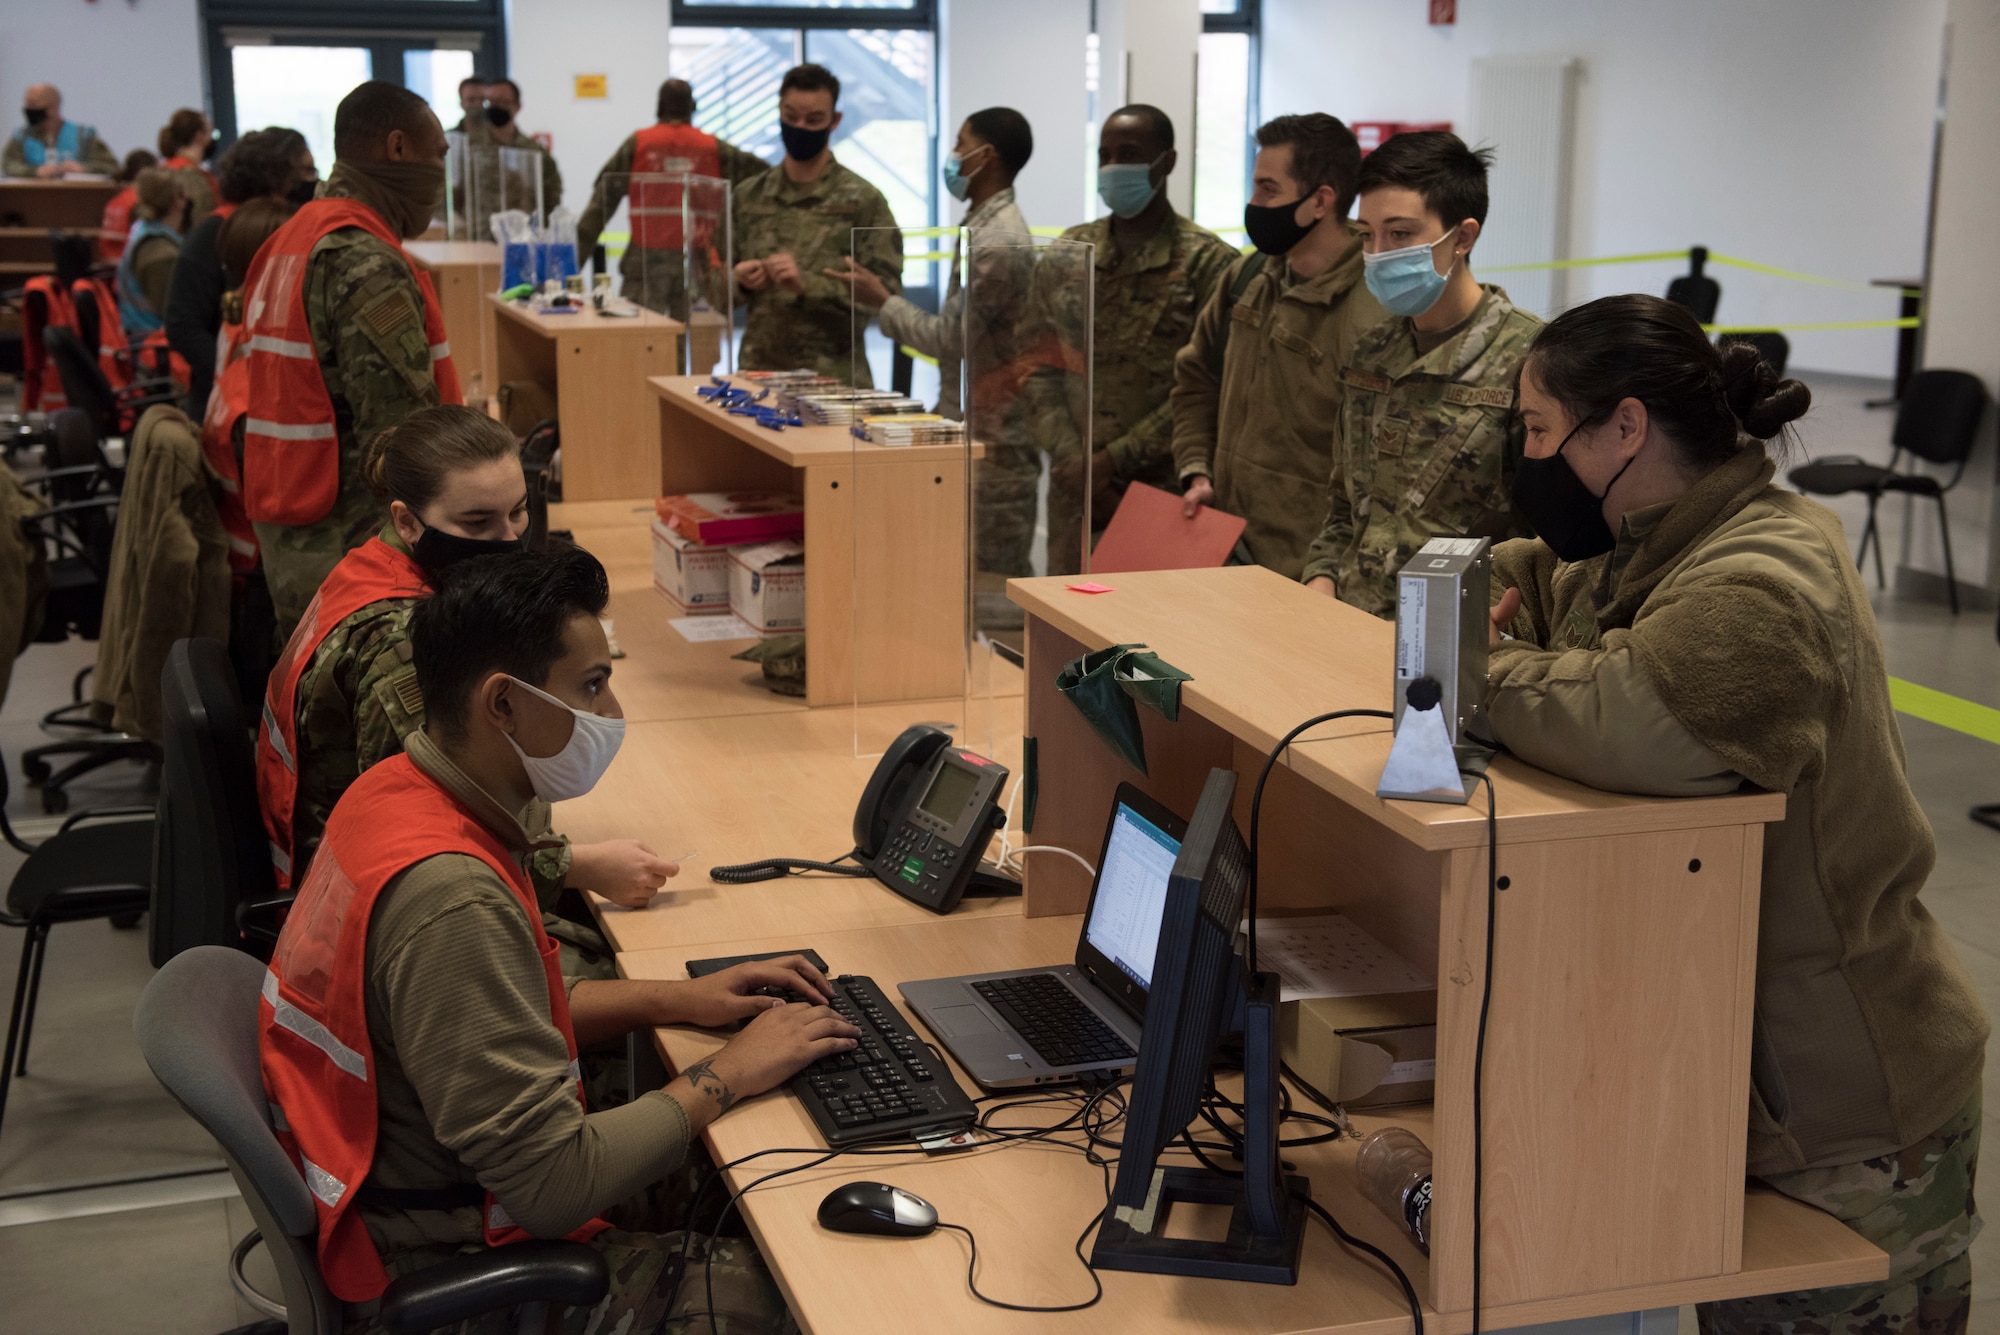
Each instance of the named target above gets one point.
<point>417,1036</point>
<point>346,338</point>
<point>653,268</point>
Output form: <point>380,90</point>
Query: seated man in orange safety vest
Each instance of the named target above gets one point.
<point>346,338</point>
<point>418,1038</point>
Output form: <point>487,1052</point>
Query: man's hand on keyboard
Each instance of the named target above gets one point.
<point>772,1048</point>
<point>744,990</point>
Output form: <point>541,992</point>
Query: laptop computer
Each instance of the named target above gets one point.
<point>1053,1024</point>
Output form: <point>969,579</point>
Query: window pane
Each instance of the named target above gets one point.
<point>1222,6</point>
<point>1222,132</point>
<point>434,76</point>
<point>298,86</point>
<point>735,74</point>
<point>806,4</point>
<point>885,131</point>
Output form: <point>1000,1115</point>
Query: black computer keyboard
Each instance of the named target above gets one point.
<point>890,1083</point>
<point>1055,1022</point>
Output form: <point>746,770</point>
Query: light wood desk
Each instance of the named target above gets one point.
<point>1618,1052</point>
<point>1027,1203</point>
<point>72,205</point>
<point>884,620</point>
<point>596,367</point>
<point>464,273</point>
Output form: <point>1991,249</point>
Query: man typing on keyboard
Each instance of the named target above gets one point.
<point>418,1038</point>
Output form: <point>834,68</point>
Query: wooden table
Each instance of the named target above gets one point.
<point>1618,1056</point>
<point>29,208</point>
<point>1028,1202</point>
<point>886,617</point>
<point>596,366</point>
<point>465,272</point>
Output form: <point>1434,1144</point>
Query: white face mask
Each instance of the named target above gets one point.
<point>574,770</point>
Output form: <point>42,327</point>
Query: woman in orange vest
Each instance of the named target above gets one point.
<point>187,142</point>
<point>344,695</point>
<point>117,220</point>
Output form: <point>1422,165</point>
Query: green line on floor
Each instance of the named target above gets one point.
<point>1945,710</point>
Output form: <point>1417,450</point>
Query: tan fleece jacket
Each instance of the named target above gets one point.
<point>1735,636</point>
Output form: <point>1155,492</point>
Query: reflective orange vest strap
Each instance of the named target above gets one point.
<point>291,446</point>
<point>655,206</point>
<point>41,386</point>
<point>228,401</point>
<point>319,1066</point>
<point>373,572</point>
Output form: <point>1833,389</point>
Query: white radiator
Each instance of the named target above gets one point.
<point>1525,108</point>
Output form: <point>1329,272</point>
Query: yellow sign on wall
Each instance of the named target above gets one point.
<point>591,85</point>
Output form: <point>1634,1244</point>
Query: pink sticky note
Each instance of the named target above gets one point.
<point>1091,587</point>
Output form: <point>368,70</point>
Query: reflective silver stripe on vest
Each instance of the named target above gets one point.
<point>283,347</point>
<point>243,545</point>
<point>575,1069</point>
<point>231,486</point>
<point>323,1184</point>
<point>312,1031</point>
<point>276,737</point>
<point>257,426</point>
<point>440,351</point>
<point>281,861</point>
<point>497,1217</point>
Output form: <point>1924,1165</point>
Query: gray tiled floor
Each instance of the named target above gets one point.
<point>90,1112</point>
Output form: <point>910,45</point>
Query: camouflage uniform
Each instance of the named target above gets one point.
<point>1426,448</point>
<point>1917,1205</point>
<point>493,187</point>
<point>1145,302</point>
<point>654,278</point>
<point>367,321</point>
<point>815,223</point>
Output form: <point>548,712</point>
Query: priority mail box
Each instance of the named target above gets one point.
<point>767,586</point>
<point>690,575</point>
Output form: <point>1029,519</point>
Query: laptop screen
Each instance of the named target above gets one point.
<point>1131,894</point>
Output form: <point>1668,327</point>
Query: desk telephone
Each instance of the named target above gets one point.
<point>924,820</point>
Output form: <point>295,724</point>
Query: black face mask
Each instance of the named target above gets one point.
<point>35,115</point>
<point>1275,228</point>
<point>303,192</point>
<point>804,144</point>
<point>498,117</point>
<point>208,154</point>
<point>1566,515</point>
<point>437,551</point>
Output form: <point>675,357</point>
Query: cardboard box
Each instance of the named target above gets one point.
<point>767,586</point>
<point>725,518</point>
<point>691,576</point>
<point>1363,1052</point>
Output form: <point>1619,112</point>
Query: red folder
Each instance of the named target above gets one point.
<point>1148,533</point>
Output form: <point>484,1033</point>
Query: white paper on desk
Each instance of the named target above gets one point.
<point>1329,956</point>
<point>704,630</point>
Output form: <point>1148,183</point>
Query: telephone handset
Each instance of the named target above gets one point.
<point>924,821</point>
<point>926,816</point>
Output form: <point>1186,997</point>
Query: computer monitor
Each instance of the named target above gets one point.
<point>1201,995</point>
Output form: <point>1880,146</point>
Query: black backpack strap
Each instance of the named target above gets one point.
<point>1246,274</point>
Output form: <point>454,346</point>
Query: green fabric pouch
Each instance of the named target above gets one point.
<point>1104,686</point>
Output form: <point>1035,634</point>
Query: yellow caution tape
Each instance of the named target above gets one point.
<point>1946,711</point>
<point>1588,263</point>
<point>916,356</point>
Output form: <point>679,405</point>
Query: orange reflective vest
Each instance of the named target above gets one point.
<point>319,1066</point>
<point>666,150</point>
<point>291,445</point>
<point>228,401</point>
<point>371,573</point>
<point>41,386</point>
<point>116,223</point>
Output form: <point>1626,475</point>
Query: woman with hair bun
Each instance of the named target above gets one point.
<point>1682,627</point>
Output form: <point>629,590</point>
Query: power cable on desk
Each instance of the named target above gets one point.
<point>1479,1044</point>
<point>1409,1290</point>
<point>771,869</point>
<point>1009,858</point>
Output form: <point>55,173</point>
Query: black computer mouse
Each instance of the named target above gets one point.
<point>877,1207</point>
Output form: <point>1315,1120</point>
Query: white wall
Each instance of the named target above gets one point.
<point>1964,305</point>
<point>123,66</point>
<point>1028,55</point>
<point>1794,132</point>
<point>1148,49</point>
<point>549,42</point>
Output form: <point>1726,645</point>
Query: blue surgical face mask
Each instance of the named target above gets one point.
<point>1127,187</point>
<point>1406,281</point>
<point>956,182</point>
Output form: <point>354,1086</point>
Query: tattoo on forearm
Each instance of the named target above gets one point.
<point>703,1077</point>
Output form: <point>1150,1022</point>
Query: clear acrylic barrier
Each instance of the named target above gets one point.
<point>1025,382</point>
<point>707,260</point>
<point>458,192</point>
<point>517,183</point>
<point>909,518</point>
<point>676,258</point>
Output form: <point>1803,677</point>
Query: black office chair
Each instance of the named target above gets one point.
<point>1771,345</point>
<point>1693,289</point>
<point>538,456</point>
<point>212,882</point>
<point>138,361</point>
<point>1938,422</point>
<point>197,1027</point>
<point>98,865</point>
<point>112,412</point>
